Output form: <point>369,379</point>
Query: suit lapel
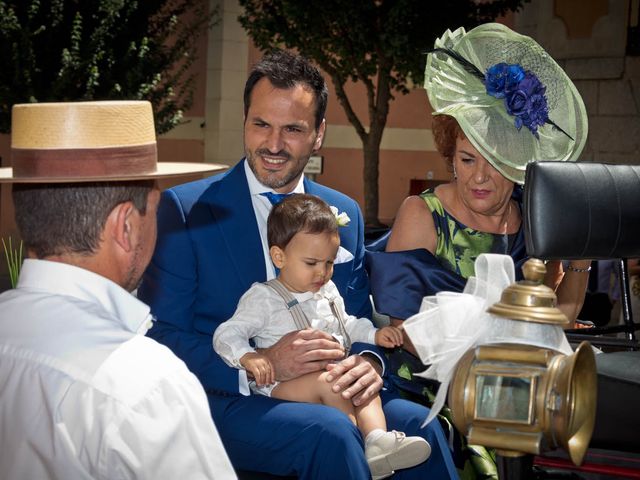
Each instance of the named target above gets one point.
<point>342,271</point>
<point>233,213</point>
<point>309,187</point>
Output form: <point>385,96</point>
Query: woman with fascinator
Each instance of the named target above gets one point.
<point>499,102</point>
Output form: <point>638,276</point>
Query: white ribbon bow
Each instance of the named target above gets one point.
<point>450,323</point>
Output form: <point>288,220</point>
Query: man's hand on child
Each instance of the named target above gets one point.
<point>389,337</point>
<point>301,352</point>
<point>354,378</point>
<point>260,367</point>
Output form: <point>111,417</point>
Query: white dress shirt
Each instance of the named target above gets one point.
<point>84,394</point>
<point>262,207</point>
<point>262,315</point>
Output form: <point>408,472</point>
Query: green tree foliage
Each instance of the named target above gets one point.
<point>65,50</point>
<point>379,43</point>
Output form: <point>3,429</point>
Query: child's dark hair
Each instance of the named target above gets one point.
<point>299,212</point>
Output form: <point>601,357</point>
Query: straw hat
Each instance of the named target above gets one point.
<point>88,142</point>
<point>512,100</point>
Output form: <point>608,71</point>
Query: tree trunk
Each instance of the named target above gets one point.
<point>371,170</point>
<point>379,97</point>
<point>378,106</point>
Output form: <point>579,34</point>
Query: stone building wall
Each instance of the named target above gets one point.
<point>589,40</point>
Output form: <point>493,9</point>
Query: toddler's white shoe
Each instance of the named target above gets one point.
<point>393,451</point>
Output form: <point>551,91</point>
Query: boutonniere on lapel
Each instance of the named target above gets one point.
<point>342,219</point>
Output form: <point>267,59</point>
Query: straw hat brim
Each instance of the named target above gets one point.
<point>163,170</point>
<point>97,141</point>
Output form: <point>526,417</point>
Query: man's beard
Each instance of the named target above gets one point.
<point>272,180</point>
<point>134,273</point>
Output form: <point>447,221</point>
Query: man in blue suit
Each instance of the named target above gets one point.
<point>212,247</point>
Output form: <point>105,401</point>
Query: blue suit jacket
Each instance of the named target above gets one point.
<point>209,253</point>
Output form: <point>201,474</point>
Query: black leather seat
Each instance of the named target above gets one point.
<point>617,416</point>
<point>592,211</point>
<point>585,211</point>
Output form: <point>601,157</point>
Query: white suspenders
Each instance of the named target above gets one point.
<point>300,318</point>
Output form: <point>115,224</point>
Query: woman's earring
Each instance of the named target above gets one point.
<point>455,175</point>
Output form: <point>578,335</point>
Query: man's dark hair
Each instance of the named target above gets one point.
<point>299,212</point>
<point>55,219</point>
<point>285,70</point>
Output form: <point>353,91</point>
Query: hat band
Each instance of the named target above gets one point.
<point>84,162</point>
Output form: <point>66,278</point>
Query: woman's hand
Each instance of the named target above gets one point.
<point>570,286</point>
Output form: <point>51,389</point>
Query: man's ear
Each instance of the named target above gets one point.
<point>277,256</point>
<point>120,224</point>
<point>320,136</point>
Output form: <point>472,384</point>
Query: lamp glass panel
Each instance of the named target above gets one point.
<point>502,397</point>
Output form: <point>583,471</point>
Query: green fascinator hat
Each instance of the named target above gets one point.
<point>512,100</point>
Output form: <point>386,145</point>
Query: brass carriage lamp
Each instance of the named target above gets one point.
<point>524,399</point>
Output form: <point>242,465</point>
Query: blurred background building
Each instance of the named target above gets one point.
<point>597,42</point>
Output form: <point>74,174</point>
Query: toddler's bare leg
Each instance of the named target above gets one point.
<point>314,388</point>
<point>370,416</point>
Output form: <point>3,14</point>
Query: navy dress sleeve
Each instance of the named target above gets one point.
<point>400,280</point>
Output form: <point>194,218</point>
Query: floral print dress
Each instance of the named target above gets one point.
<point>457,248</point>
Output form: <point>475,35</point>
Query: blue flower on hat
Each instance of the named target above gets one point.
<point>503,78</point>
<point>523,94</point>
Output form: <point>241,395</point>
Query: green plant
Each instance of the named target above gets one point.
<point>14,260</point>
<point>68,50</point>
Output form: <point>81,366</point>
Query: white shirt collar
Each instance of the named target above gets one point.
<point>256,188</point>
<point>63,279</point>
<point>262,203</point>
<point>319,295</point>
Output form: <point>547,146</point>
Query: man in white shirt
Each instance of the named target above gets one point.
<point>83,392</point>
